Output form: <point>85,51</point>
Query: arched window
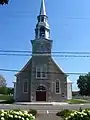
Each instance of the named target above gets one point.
<point>41,71</point>
<point>57,87</point>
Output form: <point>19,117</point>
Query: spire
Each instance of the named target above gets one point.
<point>42,9</point>
<point>42,30</point>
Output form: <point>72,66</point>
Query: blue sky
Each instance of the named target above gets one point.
<point>70,31</point>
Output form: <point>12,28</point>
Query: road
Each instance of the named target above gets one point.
<point>43,108</point>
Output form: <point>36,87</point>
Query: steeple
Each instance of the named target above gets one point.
<point>42,9</point>
<point>42,30</point>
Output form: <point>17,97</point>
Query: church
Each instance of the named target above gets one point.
<point>41,79</point>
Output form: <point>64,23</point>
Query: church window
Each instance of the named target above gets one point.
<point>44,71</point>
<point>57,87</point>
<point>41,71</point>
<point>38,74</point>
<point>25,86</point>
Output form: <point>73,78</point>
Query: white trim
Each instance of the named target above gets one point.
<point>41,54</point>
<point>26,80</point>
<point>59,68</point>
<point>43,86</point>
<point>24,67</point>
<point>36,73</point>
<point>59,87</point>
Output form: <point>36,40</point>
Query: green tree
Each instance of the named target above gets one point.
<point>84,84</point>
<point>3,2</point>
<point>3,90</point>
<point>10,91</point>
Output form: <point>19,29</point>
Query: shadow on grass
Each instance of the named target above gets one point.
<point>7,101</point>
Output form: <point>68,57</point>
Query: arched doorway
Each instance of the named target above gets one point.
<point>41,93</point>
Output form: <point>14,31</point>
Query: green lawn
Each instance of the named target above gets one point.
<point>77,101</point>
<point>5,97</point>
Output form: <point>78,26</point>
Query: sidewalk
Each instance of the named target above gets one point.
<point>40,103</point>
<point>48,117</point>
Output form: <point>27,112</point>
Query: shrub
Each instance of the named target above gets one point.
<point>77,115</point>
<point>64,113</point>
<point>33,112</point>
<point>15,115</point>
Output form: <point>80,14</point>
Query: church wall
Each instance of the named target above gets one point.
<point>57,75</point>
<point>25,75</point>
<point>37,82</point>
<point>49,82</point>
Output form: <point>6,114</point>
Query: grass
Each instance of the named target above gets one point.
<point>78,101</point>
<point>6,99</point>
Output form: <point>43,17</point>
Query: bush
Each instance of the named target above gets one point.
<point>64,113</point>
<point>15,115</point>
<point>33,112</point>
<point>77,115</point>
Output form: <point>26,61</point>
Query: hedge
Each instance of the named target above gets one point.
<point>15,115</point>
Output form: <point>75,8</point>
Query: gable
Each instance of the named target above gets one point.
<point>57,67</point>
<point>28,64</point>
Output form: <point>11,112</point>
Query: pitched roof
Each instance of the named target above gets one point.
<point>59,68</point>
<point>30,60</point>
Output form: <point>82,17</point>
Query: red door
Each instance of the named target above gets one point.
<point>40,95</point>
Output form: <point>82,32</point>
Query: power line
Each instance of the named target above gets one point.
<point>62,56</point>
<point>69,73</point>
<point>15,51</point>
<point>10,54</point>
<point>27,51</point>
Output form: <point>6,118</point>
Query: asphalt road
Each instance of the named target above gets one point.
<point>42,109</point>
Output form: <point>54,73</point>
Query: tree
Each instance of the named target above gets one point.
<point>2,81</point>
<point>84,84</point>
<point>3,2</point>
<point>10,91</point>
<point>3,90</point>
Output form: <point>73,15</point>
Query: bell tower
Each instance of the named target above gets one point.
<point>42,43</point>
